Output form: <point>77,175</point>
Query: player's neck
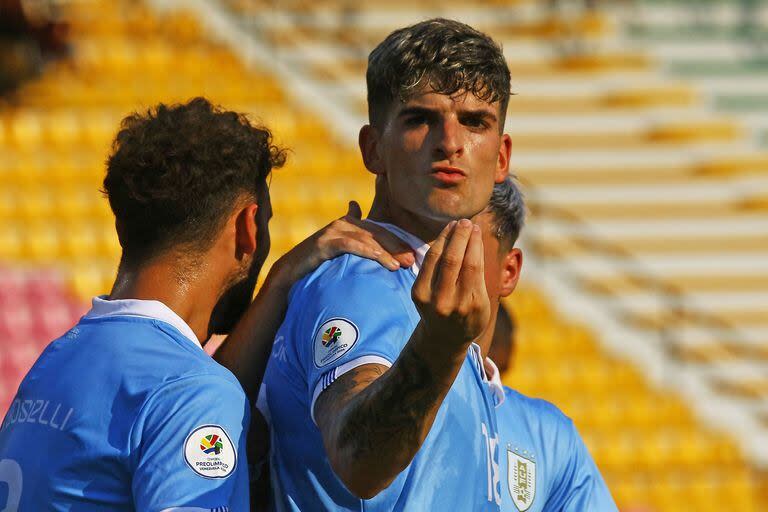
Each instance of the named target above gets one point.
<point>186,292</point>
<point>426,230</point>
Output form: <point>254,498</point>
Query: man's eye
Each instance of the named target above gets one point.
<point>475,122</point>
<point>415,120</point>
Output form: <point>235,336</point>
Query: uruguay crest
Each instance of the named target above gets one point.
<point>521,480</point>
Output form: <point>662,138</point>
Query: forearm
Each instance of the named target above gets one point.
<point>246,350</point>
<point>379,431</point>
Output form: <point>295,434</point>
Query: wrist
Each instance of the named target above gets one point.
<point>433,346</point>
<point>281,275</point>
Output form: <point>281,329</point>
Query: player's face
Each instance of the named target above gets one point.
<point>441,155</point>
<point>239,293</point>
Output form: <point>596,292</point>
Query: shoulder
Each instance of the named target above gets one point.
<point>352,287</point>
<point>197,398</point>
<point>348,269</point>
<point>538,412</point>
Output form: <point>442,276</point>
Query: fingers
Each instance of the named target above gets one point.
<point>422,288</point>
<point>394,248</point>
<point>391,244</point>
<point>369,249</point>
<point>452,261</point>
<point>354,211</point>
<point>472,274</point>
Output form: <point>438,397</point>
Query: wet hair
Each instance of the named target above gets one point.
<point>507,207</point>
<point>444,56</point>
<point>176,172</point>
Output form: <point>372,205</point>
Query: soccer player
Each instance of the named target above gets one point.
<point>126,411</point>
<point>375,389</point>
<point>544,465</point>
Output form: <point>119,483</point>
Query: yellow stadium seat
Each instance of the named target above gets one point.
<point>26,129</point>
<point>63,129</point>
<point>40,242</point>
<point>10,242</point>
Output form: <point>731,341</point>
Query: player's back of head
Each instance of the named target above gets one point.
<point>176,172</point>
<point>507,205</point>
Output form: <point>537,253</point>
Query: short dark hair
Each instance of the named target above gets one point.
<point>507,206</point>
<point>175,173</point>
<point>447,56</point>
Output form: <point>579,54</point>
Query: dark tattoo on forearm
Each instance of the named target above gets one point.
<point>389,415</point>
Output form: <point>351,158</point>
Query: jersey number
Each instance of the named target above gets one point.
<point>491,451</point>
<point>10,474</point>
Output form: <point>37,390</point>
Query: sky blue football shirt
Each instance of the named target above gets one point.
<point>350,312</point>
<point>544,464</point>
<point>126,412</point>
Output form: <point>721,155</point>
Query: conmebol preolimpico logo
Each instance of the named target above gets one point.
<point>211,444</point>
<point>331,335</point>
<point>209,452</point>
<point>333,339</point>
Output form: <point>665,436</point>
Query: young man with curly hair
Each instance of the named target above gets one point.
<point>126,411</point>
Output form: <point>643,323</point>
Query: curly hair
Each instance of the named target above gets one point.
<point>176,172</point>
<point>445,56</point>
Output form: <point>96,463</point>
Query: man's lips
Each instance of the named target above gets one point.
<point>448,174</point>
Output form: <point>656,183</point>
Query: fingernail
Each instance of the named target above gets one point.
<point>476,228</point>
<point>465,223</point>
<point>452,223</point>
<point>394,264</point>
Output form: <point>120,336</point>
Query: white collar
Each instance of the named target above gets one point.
<point>494,380</point>
<point>418,245</point>
<point>102,308</point>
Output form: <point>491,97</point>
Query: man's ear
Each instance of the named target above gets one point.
<point>505,153</point>
<point>369,140</point>
<point>510,272</point>
<point>246,231</point>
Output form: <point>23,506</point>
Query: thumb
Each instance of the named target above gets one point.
<point>353,210</point>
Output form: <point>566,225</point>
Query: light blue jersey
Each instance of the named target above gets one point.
<point>126,412</point>
<point>351,312</point>
<point>545,466</point>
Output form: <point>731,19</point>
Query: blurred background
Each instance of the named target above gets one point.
<point>640,135</point>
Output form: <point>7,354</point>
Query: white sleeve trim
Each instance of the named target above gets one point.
<point>330,376</point>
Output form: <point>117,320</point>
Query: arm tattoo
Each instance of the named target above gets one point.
<point>379,417</point>
<point>392,409</point>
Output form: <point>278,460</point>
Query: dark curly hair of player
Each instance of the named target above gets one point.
<point>439,55</point>
<point>175,173</point>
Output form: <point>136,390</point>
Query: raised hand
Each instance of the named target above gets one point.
<point>450,290</point>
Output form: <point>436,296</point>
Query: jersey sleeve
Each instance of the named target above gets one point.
<point>579,485</point>
<point>351,320</point>
<point>188,447</point>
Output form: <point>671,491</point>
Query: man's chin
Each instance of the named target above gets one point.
<point>445,207</point>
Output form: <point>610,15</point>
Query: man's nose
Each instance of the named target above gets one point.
<point>449,138</point>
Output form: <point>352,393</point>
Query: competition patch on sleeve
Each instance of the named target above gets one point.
<point>209,452</point>
<point>334,339</point>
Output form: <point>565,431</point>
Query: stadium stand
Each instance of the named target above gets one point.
<point>642,312</point>
<point>722,46</point>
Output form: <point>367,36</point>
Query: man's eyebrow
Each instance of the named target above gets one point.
<point>408,111</point>
<point>490,115</point>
